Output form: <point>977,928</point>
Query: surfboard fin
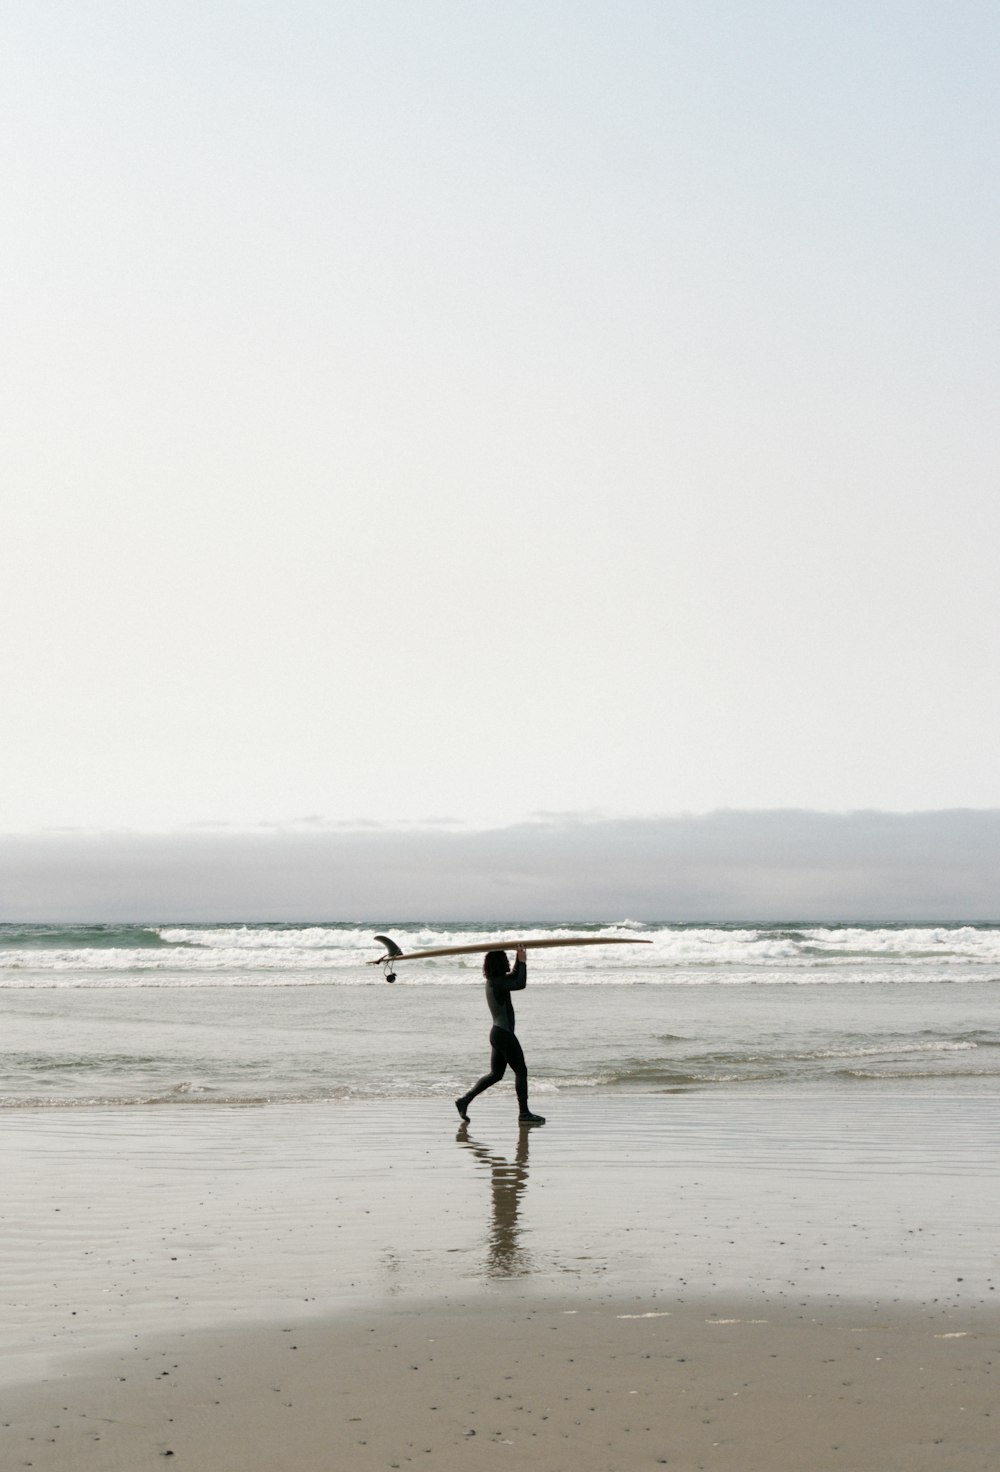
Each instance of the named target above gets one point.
<point>391,951</point>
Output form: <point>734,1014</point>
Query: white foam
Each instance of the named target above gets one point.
<point>683,955</point>
<point>889,1049</point>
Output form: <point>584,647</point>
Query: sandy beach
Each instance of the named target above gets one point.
<point>595,1383</point>
<point>681,1281</point>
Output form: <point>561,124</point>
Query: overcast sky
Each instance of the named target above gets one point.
<point>448,410</point>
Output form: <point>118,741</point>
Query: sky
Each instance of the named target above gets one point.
<point>451,414</point>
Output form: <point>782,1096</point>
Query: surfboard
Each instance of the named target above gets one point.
<point>393,952</point>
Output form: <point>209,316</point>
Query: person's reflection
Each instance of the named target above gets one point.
<point>508,1178</point>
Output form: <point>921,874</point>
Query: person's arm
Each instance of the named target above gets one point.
<point>518,978</point>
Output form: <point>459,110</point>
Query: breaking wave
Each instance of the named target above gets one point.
<point>303,955</point>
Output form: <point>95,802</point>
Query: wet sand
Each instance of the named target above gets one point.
<point>606,1384</point>
<point>687,1281</point>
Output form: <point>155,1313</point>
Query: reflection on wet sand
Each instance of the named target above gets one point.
<point>506,1257</point>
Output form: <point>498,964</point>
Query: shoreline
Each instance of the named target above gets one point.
<point>184,1220</point>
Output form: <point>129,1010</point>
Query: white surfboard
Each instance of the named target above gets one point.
<point>393,952</point>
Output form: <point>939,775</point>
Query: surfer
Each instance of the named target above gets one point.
<point>504,1046</point>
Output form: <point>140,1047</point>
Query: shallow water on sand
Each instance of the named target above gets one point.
<point>140,1045</point>
<point>121,1222</point>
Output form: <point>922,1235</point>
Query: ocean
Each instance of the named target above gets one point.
<point>175,1015</point>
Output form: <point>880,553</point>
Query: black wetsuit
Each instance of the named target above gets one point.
<point>504,1046</point>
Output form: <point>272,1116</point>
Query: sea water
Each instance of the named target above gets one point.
<point>172,1015</point>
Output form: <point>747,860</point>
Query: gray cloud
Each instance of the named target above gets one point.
<point>779,865</point>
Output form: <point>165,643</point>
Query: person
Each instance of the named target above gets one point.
<point>504,1046</point>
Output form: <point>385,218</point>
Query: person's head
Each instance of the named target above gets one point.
<point>495,965</point>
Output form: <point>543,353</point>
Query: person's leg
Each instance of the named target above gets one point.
<point>515,1057</point>
<point>514,1054</point>
<point>498,1067</point>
